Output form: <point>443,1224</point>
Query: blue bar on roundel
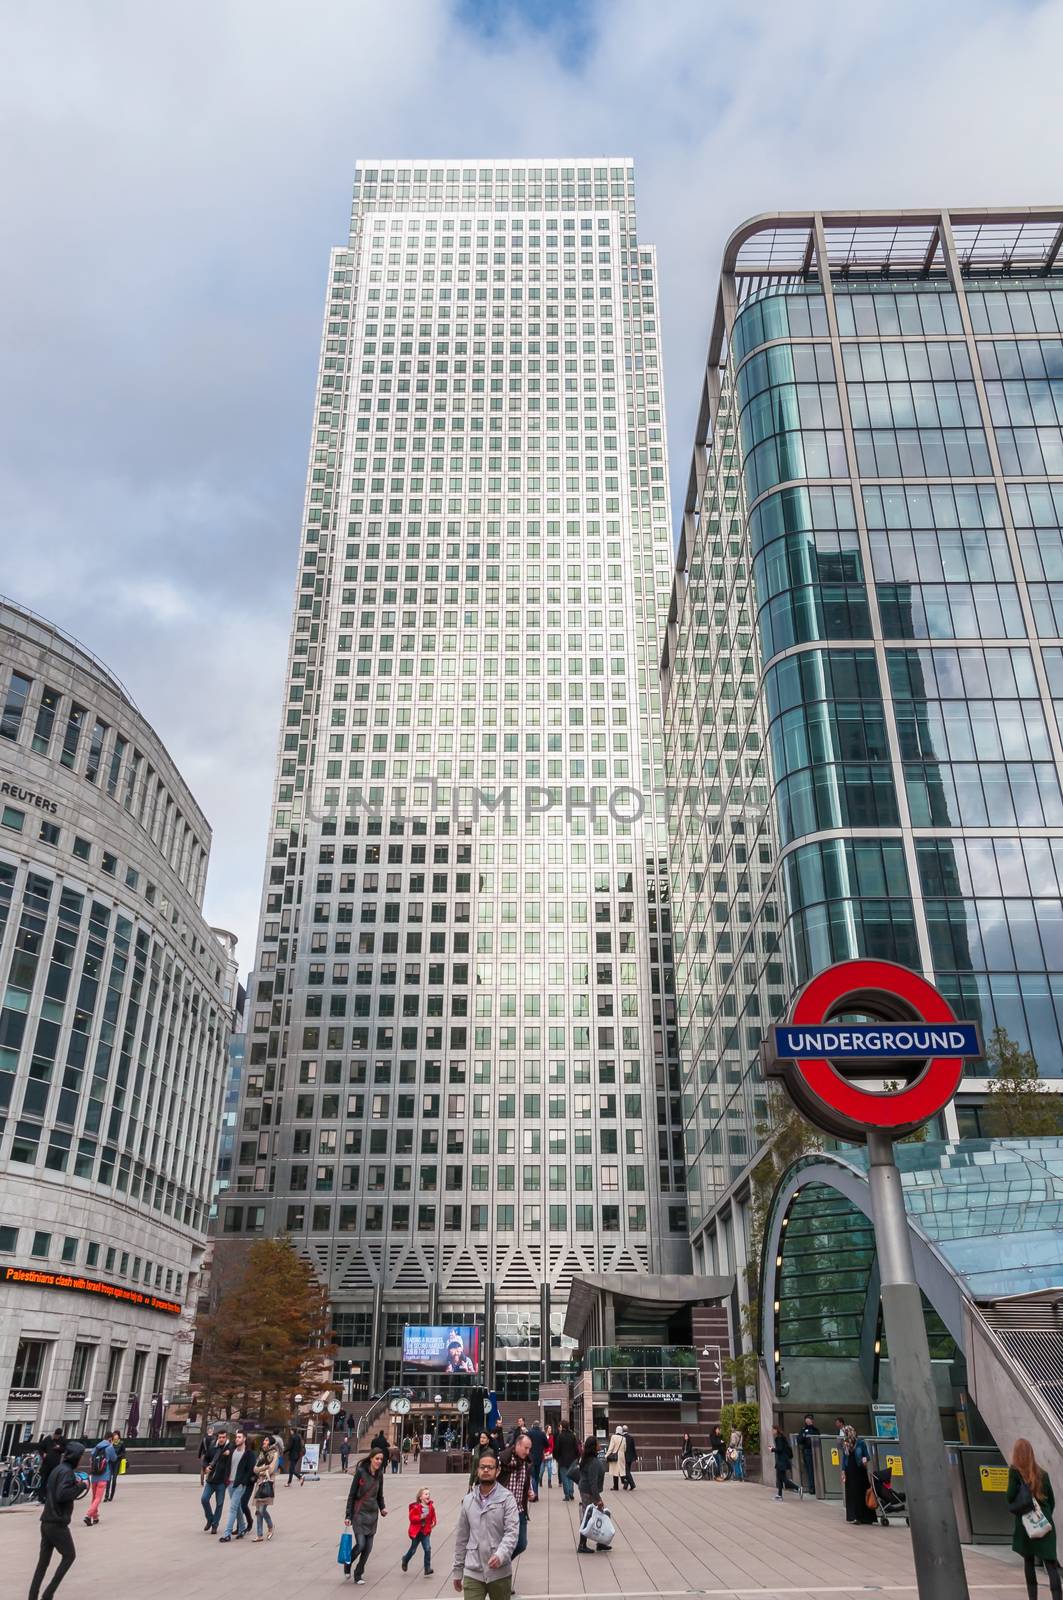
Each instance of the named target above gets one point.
<point>870,1041</point>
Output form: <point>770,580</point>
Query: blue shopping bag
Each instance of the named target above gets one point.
<point>346,1549</point>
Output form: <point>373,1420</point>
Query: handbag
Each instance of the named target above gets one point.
<point>345,1553</point>
<point>264,1490</point>
<point>869,1500</point>
<point>597,1525</point>
<point>1035,1522</point>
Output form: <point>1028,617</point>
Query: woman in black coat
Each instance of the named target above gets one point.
<point>856,1459</point>
<point>365,1503</point>
<point>1030,1486</point>
<point>591,1481</point>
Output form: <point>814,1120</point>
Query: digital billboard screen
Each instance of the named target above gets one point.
<point>443,1349</point>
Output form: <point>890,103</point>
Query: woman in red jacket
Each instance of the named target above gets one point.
<point>422,1521</point>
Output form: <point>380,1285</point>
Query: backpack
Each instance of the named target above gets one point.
<point>98,1463</point>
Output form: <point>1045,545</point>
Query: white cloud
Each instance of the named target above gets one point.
<point>174,178</point>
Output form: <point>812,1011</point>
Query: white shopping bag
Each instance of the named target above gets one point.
<point>597,1525</point>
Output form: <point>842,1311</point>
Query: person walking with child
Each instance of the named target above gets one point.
<point>422,1521</point>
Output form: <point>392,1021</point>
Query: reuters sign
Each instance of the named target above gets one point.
<point>828,1044</point>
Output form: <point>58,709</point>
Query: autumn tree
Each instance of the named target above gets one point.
<point>265,1336</point>
<point>1019,1105</point>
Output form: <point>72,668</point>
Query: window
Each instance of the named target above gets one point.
<point>8,1241</point>
<point>70,1248</point>
<point>42,1244</point>
<point>42,733</point>
<point>29,1364</point>
<point>114,1367</point>
<point>49,833</point>
<point>14,705</point>
<point>72,736</point>
<point>81,1366</point>
<point>82,848</point>
<point>12,818</point>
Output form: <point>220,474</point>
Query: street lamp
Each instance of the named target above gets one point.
<point>439,1402</point>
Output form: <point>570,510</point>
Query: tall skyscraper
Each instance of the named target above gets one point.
<point>863,680</point>
<point>461,1084</point>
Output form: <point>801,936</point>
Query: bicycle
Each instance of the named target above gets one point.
<point>11,1484</point>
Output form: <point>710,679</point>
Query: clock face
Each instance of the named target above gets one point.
<point>333,1407</point>
<point>463,1406</point>
<point>400,1407</point>
<point>318,1406</point>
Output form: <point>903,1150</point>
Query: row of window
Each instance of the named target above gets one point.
<point>33,1358</point>
<point>453,1218</point>
<point>107,759</point>
<point>106,1258</point>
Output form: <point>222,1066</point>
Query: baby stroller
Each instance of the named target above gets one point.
<point>891,1503</point>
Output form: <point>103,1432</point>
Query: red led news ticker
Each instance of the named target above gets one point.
<point>70,1283</point>
<point>878,988</point>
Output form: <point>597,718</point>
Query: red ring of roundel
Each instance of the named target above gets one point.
<point>918,1101</point>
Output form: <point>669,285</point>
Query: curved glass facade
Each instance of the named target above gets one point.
<point>864,675</point>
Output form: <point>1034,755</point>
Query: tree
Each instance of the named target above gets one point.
<point>1019,1105</point>
<point>789,1137</point>
<point>266,1336</point>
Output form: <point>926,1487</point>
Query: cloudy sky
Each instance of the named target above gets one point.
<point>172,178</point>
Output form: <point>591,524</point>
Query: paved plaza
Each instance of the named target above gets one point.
<point>674,1538</point>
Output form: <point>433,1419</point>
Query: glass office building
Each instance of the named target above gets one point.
<point>461,1084</point>
<point>863,674</point>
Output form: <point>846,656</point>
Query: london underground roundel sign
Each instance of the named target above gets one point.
<point>912,1035</point>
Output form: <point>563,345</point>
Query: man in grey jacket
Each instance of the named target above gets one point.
<point>488,1524</point>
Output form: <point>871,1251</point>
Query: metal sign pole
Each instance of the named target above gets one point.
<point>939,1567</point>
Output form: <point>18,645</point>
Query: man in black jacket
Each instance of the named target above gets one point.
<point>64,1487</point>
<point>566,1454</point>
<point>241,1463</point>
<point>213,1497</point>
<point>806,1436</point>
<point>51,1454</point>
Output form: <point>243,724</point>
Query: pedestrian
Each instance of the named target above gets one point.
<point>486,1540</point>
<point>686,1449</point>
<point>498,1438</point>
<point>616,1457</point>
<point>294,1452</point>
<point>101,1465</point>
<point>855,1480</point>
<point>1029,1489</point>
<point>264,1492</point>
<point>422,1521</point>
<point>718,1446</point>
<point>591,1483</point>
<point>345,1450</point>
<point>365,1504</point>
<point>51,1455</point>
<point>380,1443</point>
<point>240,1477</point>
<point>782,1450</point>
<point>809,1431</point>
<point>566,1454</point>
<point>205,1451</point>
<point>64,1487</point>
<point>514,1474</point>
<point>548,1457</point>
<point>484,1442</point>
<point>213,1497</point>
<point>119,1457</point>
<point>538,1451</point>
<point>736,1455</point>
<point>415,1449</point>
<point>515,1432</point>
<point>395,1457</point>
<point>407,1446</point>
<point>628,1480</point>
